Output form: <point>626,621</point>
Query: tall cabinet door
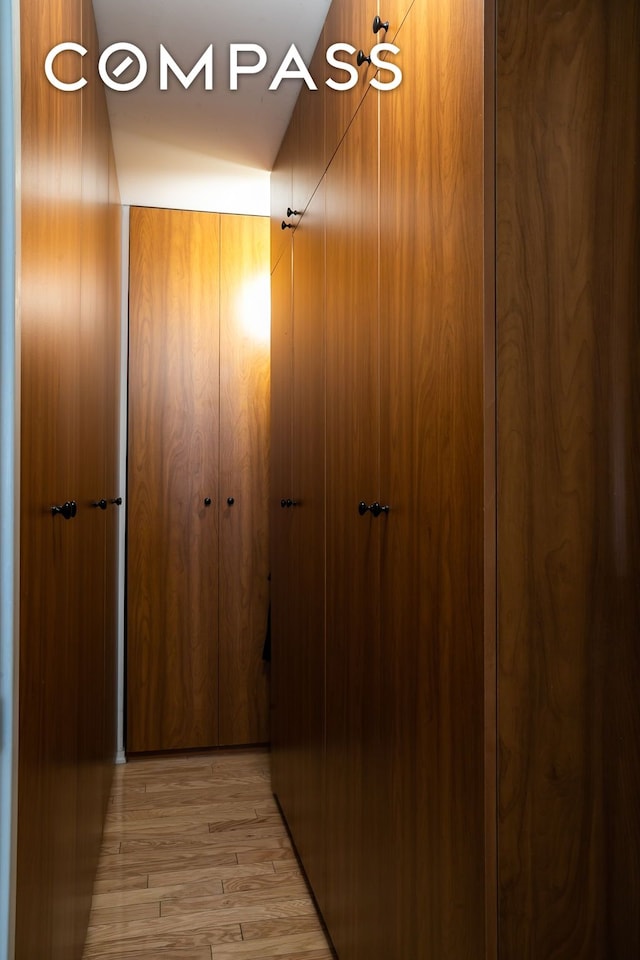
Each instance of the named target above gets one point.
<point>431,296</point>
<point>243,490</point>
<point>568,454</point>
<point>46,916</point>
<point>172,658</point>
<point>284,684</point>
<point>353,541</point>
<point>307,539</point>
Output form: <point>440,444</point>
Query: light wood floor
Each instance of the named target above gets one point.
<point>196,864</point>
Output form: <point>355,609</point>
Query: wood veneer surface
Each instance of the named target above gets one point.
<point>568,190</point>
<point>432,605</point>
<point>51,165</point>
<point>283,680</point>
<point>348,21</point>
<point>172,653</point>
<point>281,187</point>
<point>306,642</point>
<point>352,541</point>
<point>245,308</point>
<point>219,881</point>
<point>67,262</point>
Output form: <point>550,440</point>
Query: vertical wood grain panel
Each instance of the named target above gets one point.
<point>568,518</point>
<point>47,776</point>
<point>96,329</point>
<point>172,656</point>
<point>307,129</point>
<point>307,592</point>
<point>353,542</point>
<point>66,262</point>
<point>112,477</point>
<point>432,605</point>
<point>348,21</point>
<point>244,457</point>
<point>394,11</point>
<point>284,685</point>
<point>281,185</point>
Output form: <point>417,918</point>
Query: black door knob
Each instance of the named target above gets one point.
<point>375,508</point>
<point>362,58</point>
<point>283,503</point>
<point>117,501</point>
<point>230,501</point>
<point>286,226</point>
<point>207,501</point>
<point>102,504</point>
<point>379,25</point>
<point>68,510</point>
<point>293,213</point>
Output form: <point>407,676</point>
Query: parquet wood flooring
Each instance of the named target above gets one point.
<point>196,864</point>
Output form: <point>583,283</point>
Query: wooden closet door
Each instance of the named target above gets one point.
<point>431,301</point>
<point>568,197</point>
<point>305,814</point>
<point>172,592</point>
<point>348,21</point>
<point>283,680</point>
<point>95,345</point>
<point>353,866</point>
<point>245,311</point>
<point>46,881</point>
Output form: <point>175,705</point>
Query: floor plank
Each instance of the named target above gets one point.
<point>196,863</point>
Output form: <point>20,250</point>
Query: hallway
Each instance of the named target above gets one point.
<point>196,863</point>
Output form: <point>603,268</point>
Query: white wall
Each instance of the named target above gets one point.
<point>9,463</point>
<point>182,179</point>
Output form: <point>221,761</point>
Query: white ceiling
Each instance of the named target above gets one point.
<point>197,149</point>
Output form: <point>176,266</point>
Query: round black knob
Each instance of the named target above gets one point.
<point>293,213</point>
<point>102,504</point>
<point>117,501</point>
<point>286,226</point>
<point>362,508</point>
<point>379,25</point>
<point>230,501</point>
<point>283,503</point>
<point>207,501</point>
<point>68,510</point>
<point>362,58</point>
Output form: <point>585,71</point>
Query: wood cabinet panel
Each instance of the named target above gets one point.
<point>352,541</point>
<point>65,267</point>
<point>307,597</point>
<point>112,489</point>
<point>244,477</point>
<point>567,192</point>
<point>348,21</point>
<point>393,12</point>
<point>99,331</point>
<point>307,130</point>
<point>48,680</point>
<point>282,197</point>
<point>432,611</point>
<point>172,656</point>
<point>284,684</point>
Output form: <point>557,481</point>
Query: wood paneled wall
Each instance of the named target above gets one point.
<point>70,348</point>
<point>379,754</point>
<point>568,189</point>
<point>478,727</point>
